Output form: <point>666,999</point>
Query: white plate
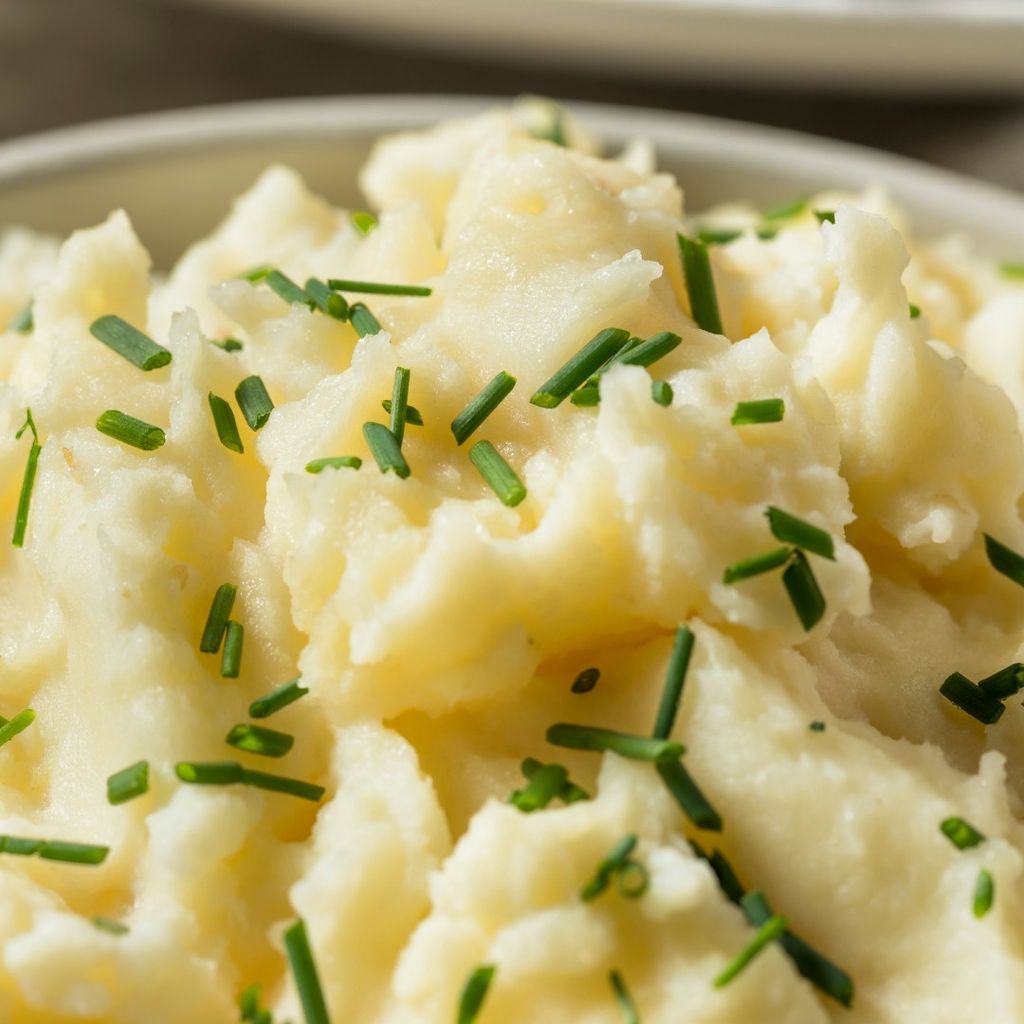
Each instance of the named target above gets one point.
<point>943,46</point>
<point>177,173</point>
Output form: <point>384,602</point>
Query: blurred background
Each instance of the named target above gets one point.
<point>951,93</point>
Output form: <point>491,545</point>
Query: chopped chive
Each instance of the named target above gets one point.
<point>632,880</point>
<point>962,834</point>
<point>73,853</point>
<point>327,301</point>
<point>228,344</point>
<point>727,879</point>
<point>399,403</point>
<point>825,215</point>
<point>804,593</point>
<point>363,221</point>
<point>1005,683</point>
<point>363,320</point>
<point>661,392</point>
<point>24,321</point>
<point>413,417</point>
<point>474,992</point>
<point>339,284</point>
<point>570,793</point>
<point>609,867</point>
<point>217,618</point>
<point>576,370</point>
<point>29,424</point>
<point>637,748</point>
<point>817,726</point>
<point>817,969</point>
<point>256,274</point>
<point>307,981</point>
<point>785,211</point>
<point>19,846</point>
<point>768,933</point>
<point>1005,560</point>
<point>109,925</point>
<point>19,723</point>
<point>282,784</point>
<point>209,773</point>
<point>586,680</point>
<point>675,677</point>
<point>763,410</point>
<point>385,449</point>
<point>915,311</point>
<point>500,476</point>
<point>287,693</point>
<point>970,698</point>
<point>284,287</point>
<point>685,791</point>
<point>756,565</point>
<point>131,431</point>
<point>791,530</point>
<point>252,398</point>
<point>231,657</point>
<point>257,740</point>
<point>629,1011</point>
<point>587,396</point>
<point>249,1006</point>
<point>128,783</point>
<point>224,421</point>
<point>767,234</point>
<point>1012,269</point>
<point>984,893</point>
<point>482,405</point>
<point>541,788</point>
<point>650,351</point>
<point>700,285</point>
<point>718,236</point>
<point>28,481</point>
<point>128,341</point>
<point>334,462</point>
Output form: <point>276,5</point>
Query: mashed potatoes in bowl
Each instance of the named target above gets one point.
<point>523,603</point>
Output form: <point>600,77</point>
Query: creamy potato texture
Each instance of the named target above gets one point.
<point>439,631</point>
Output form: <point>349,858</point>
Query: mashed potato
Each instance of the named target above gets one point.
<point>439,631</point>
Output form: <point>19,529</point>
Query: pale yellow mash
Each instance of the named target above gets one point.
<point>439,631</point>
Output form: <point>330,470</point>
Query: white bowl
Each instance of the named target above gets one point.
<point>176,173</point>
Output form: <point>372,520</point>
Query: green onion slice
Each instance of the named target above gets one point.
<point>385,449</point>
<point>128,341</point>
<point>413,417</point>
<point>984,893</point>
<point>825,215</point>
<point>131,431</point>
<point>254,401</point>
<point>962,834</point>
<point>817,726</point>
<point>255,739</point>
<point>217,618</point>
<point>363,221</point>
<point>19,723</point>
<point>791,530</point>
<point>231,657</point>
<point>328,302</point>
<point>399,403</point>
<point>700,284</point>
<point>73,853</point>
<point>609,867</point>
<point>786,210</point>
<point>28,481</point>
<point>757,565</point>
<point>282,784</point>
<point>685,791</point>
<point>570,793</point>
<point>474,992</point>
<point>228,344</point>
<point>287,289</point>
<point>1005,560</point>
<point>109,925</point>
<point>661,392</point>
<point>586,680</point>
<point>804,593</point>
<point>972,699</point>
<point>209,773</point>
<point>637,748</point>
<point>1012,269</point>
<point>307,980</point>
<point>1005,683</point>
<point>334,462</point>
<point>24,321</point>
<point>224,421</point>
<point>363,320</point>
<point>339,284</point>
<point>632,880</point>
<point>675,678</point>
<point>281,697</point>
<point>768,933</point>
<point>500,476</point>
<point>576,370</point>
<point>718,236</point>
<point>543,786</point>
<point>763,410</point>
<point>915,311</point>
<point>482,405</point>
<point>587,396</point>
<point>650,351</point>
<point>128,783</point>
<point>630,1014</point>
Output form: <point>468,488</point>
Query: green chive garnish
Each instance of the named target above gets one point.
<point>73,853</point>
<point>363,320</point>
<point>374,288</point>
<point>128,341</point>
<point>1005,683</point>
<point>764,410</point>
<point>637,748</point>
<point>413,417</point>
<point>1012,269</point>
<point>231,658</point>
<point>1005,560</point>
<point>961,833</point>
<point>661,392</point>
<point>629,1011</point>
<point>399,403</point>
<point>363,221</point>
<point>224,421</point>
<point>228,344</point>
<point>700,285</point>
<point>281,784</point>
<point>128,783</point>
<point>256,274</point>
<point>287,693</point>
<point>258,740</point>
<point>817,726</point>
<point>217,618</point>
<point>609,867</point>
<point>825,215</point>
<point>328,302</point>
<point>785,211</point>
<point>675,677</point>
<point>685,791</point>
<point>307,981</point>
<point>915,311</point>
<point>650,351</point>
<point>19,723</point>
<point>984,893</point>
<point>791,530</point>
<point>632,880</point>
<point>287,289</point>
<point>24,321</point>
<point>209,773</point>
<point>973,700</point>
<point>587,396</point>
<point>768,933</point>
<point>570,793</point>
<point>500,476</point>
<point>573,373</point>
<point>249,1005</point>
<point>756,565</point>
<point>385,449</point>
<point>252,398</point>
<point>541,788</point>
<point>109,925</point>
<point>474,992</point>
<point>804,593</point>
<point>131,431</point>
<point>334,462</point>
<point>718,236</point>
<point>489,398</point>
<point>28,481</point>
<point>586,680</point>
<point>727,879</point>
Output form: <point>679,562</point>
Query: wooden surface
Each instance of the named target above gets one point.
<point>67,61</point>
